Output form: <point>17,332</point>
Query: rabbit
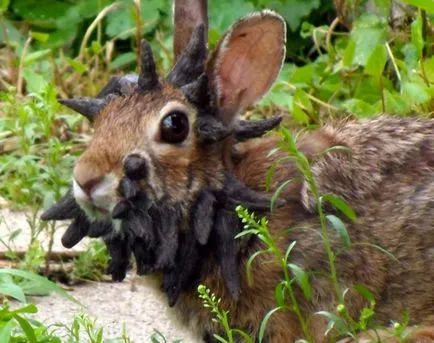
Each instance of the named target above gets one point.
<point>170,160</point>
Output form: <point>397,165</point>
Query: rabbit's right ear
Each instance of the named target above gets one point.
<point>187,15</point>
<point>247,61</point>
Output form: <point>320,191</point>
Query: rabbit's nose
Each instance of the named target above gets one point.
<point>89,185</point>
<point>87,179</point>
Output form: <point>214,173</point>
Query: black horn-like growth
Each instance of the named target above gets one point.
<point>89,107</point>
<point>191,63</point>
<point>148,78</point>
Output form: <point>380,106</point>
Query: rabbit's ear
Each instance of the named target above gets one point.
<point>247,61</point>
<point>187,15</point>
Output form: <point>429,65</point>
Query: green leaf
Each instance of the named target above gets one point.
<point>299,115</point>
<point>78,66</point>
<point>349,53</point>
<point>36,56</point>
<point>277,192</point>
<point>249,265</point>
<point>364,292</point>
<point>377,61</point>
<point>5,332</point>
<point>416,93</point>
<point>302,279</point>
<point>395,103</point>
<point>4,4</point>
<point>340,228</point>
<point>264,323</point>
<point>35,81</point>
<point>293,10</point>
<point>368,32</point>
<point>27,328</point>
<point>123,60</point>
<point>341,205</point>
<point>359,108</point>
<point>333,321</point>
<point>427,5</point>
<point>417,35</point>
<point>39,36</point>
<point>429,69</point>
<point>289,249</point>
<point>383,7</point>
<point>12,290</point>
<point>49,286</point>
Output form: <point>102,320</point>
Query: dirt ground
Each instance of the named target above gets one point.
<point>141,308</point>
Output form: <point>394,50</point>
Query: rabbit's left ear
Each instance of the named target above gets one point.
<point>247,61</point>
<point>188,15</point>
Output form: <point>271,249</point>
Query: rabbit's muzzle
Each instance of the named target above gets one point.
<point>96,196</point>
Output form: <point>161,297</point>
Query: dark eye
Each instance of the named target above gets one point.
<point>174,127</point>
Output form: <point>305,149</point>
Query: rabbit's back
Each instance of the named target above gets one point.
<point>376,152</point>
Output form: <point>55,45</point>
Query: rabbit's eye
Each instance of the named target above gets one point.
<point>174,127</point>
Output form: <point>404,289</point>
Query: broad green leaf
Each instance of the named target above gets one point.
<point>340,228</point>
<point>299,115</point>
<point>35,82</point>
<point>5,331</point>
<point>12,290</point>
<point>427,5</point>
<point>123,60</point>
<point>50,286</point>
<point>416,93</point>
<point>395,103</point>
<point>302,279</point>
<point>303,75</point>
<point>359,108</point>
<point>377,61</point>
<point>27,328</point>
<point>341,205</point>
<point>368,32</point>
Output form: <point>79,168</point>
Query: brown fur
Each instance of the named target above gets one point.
<point>396,215</point>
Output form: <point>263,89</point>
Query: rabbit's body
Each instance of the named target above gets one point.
<point>390,181</point>
<point>166,171</point>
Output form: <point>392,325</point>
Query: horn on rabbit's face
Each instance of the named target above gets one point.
<point>148,78</point>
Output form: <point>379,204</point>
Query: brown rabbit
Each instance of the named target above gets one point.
<point>167,162</point>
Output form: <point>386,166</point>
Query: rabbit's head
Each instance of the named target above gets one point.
<point>172,136</point>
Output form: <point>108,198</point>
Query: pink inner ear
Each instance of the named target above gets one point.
<point>249,61</point>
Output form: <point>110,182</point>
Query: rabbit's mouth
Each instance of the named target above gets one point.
<point>98,200</point>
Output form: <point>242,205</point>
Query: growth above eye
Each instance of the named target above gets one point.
<point>174,127</point>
